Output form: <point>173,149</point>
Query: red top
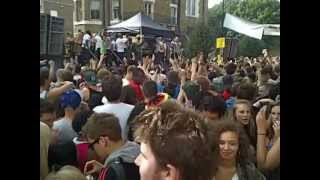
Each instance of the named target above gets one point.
<point>137,89</point>
<point>82,153</point>
<point>226,95</point>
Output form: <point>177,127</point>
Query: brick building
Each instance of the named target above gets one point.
<point>94,15</point>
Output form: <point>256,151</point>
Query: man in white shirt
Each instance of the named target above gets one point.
<point>111,89</point>
<point>121,46</point>
<point>70,102</point>
<point>86,40</point>
<point>98,40</point>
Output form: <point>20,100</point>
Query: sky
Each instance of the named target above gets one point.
<point>211,3</point>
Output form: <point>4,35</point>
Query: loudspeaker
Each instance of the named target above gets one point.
<point>231,48</point>
<point>55,36</point>
<point>43,34</point>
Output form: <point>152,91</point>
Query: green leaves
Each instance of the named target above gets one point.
<point>258,11</point>
<point>201,39</point>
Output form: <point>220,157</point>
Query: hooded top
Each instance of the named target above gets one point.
<point>120,164</point>
<point>128,153</point>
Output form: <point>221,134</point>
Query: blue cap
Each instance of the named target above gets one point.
<point>71,99</point>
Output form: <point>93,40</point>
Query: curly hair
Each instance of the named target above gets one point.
<point>179,137</point>
<point>224,126</point>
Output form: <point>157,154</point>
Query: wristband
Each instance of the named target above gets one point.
<point>262,134</point>
<point>259,132</point>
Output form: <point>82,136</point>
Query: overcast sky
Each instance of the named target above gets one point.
<point>214,2</point>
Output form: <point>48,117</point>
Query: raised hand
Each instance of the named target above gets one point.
<point>261,120</point>
<point>276,128</point>
<point>92,167</point>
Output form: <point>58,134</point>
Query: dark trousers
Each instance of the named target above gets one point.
<point>159,59</point>
<point>121,56</point>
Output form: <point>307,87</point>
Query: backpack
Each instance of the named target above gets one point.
<point>117,166</point>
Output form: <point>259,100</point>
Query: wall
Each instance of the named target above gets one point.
<point>162,11</point>
<point>189,23</point>
<point>64,9</point>
<point>131,7</point>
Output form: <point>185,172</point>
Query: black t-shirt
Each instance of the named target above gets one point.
<point>60,155</point>
<point>95,99</point>
<point>138,108</point>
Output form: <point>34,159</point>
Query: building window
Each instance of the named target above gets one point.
<point>115,9</point>
<point>174,1</point>
<point>78,8</point>
<point>174,13</point>
<point>95,9</point>
<point>148,9</point>
<point>54,13</point>
<point>192,8</point>
<point>116,12</point>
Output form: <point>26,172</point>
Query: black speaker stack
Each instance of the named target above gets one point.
<point>231,48</point>
<point>51,38</point>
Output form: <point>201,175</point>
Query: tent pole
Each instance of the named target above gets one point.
<point>141,44</point>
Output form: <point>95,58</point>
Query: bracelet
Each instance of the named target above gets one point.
<point>263,134</point>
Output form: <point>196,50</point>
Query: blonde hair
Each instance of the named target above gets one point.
<point>66,173</point>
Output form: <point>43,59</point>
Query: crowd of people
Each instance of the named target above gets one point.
<point>143,117</point>
<point>108,49</point>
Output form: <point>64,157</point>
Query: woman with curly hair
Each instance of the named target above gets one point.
<point>233,161</point>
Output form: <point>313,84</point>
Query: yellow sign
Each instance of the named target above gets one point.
<point>220,42</point>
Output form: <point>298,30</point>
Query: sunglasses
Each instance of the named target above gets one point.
<point>94,142</point>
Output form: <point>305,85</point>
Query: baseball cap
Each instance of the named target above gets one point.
<point>70,98</point>
<point>90,77</point>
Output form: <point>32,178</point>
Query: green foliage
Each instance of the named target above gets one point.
<point>201,39</point>
<point>258,11</point>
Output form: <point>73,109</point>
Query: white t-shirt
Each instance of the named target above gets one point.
<point>64,130</point>
<point>98,42</point>
<point>86,38</point>
<point>121,44</point>
<point>121,111</point>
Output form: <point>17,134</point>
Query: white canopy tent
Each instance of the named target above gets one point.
<point>250,29</point>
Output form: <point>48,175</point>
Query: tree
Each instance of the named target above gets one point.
<point>201,39</point>
<point>258,11</point>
